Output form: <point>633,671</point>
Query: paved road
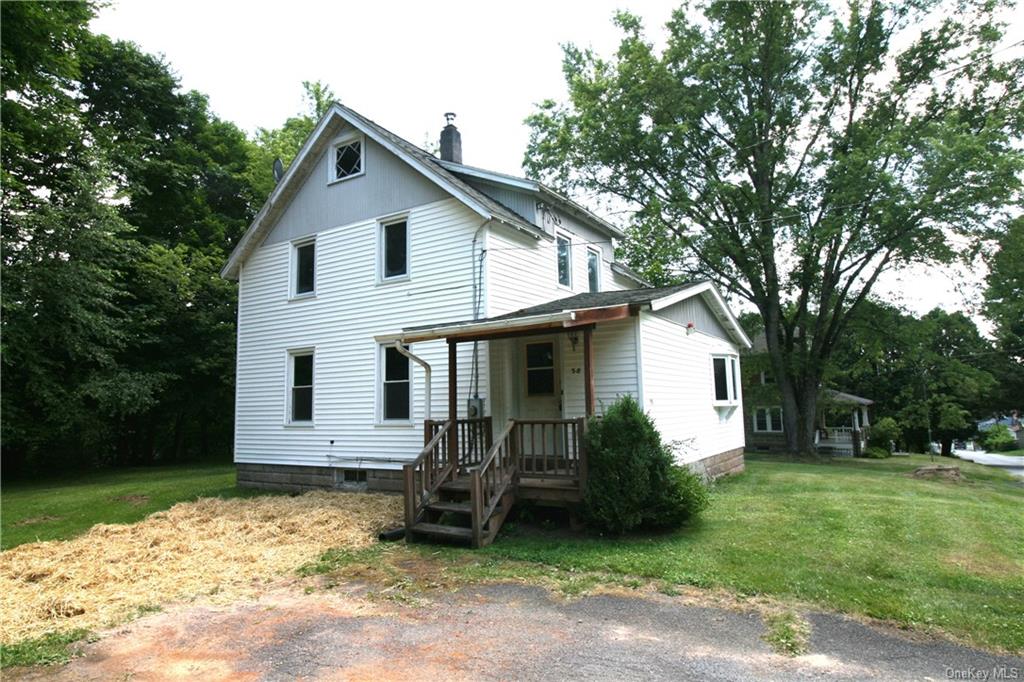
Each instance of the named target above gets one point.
<point>503,632</point>
<point>1014,465</point>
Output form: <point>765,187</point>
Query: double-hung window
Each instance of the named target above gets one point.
<point>394,250</point>
<point>594,269</point>
<point>300,386</point>
<point>563,253</point>
<point>725,370</point>
<point>768,419</point>
<point>396,388</point>
<point>304,268</point>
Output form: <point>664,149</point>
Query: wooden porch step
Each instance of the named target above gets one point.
<point>453,507</point>
<point>438,530</point>
<point>457,485</point>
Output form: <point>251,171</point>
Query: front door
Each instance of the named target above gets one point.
<point>541,389</point>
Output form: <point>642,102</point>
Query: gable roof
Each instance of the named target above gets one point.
<point>538,188</point>
<point>421,161</point>
<point>579,309</point>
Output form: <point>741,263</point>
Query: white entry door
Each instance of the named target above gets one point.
<point>540,379</point>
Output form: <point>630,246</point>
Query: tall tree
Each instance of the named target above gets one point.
<point>1004,306</point>
<point>793,153</point>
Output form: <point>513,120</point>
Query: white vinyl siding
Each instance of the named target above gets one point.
<point>678,390</point>
<point>615,367</point>
<point>522,271</point>
<point>348,311</point>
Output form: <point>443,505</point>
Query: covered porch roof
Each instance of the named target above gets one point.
<point>580,310</point>
<point>847,398</point>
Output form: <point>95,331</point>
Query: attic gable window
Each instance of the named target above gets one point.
<point>347,159</point>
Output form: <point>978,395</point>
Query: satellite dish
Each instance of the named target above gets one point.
<point>278,170</point>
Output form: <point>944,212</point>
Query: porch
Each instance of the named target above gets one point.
<point>844,424</point>
<point>473,469</point>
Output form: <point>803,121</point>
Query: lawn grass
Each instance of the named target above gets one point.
<point>1011,453</point>
<point>857,536</point>
<point>61,508</point>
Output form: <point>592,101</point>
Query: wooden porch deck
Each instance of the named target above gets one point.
<point>464,493</point>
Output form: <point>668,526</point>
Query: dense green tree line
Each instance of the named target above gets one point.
<point>122,197</point>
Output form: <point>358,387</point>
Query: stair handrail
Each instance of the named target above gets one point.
<point>490,479</point>
<point>435,466</point>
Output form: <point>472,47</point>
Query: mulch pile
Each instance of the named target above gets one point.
<point>220,549</point>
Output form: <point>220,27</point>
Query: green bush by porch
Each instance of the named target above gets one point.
<point>632,481</point>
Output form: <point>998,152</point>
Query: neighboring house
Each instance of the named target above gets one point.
<point>843,420</point>
<point>404,319</point>
<point>1013,423</point>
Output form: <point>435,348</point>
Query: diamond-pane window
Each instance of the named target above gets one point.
<point>348,160</point>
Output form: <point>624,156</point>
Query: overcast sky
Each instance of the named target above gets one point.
<point>404,64</point>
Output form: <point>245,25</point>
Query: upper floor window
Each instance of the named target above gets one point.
<point>726,369</point>
<point>394,249</point>
<point>564,254</point>
<point>594,269</point>
<point>346,159</point>
<point>304,268</point>
<point>768,419</point>
<point>300,386</point>
<point>767,378</point>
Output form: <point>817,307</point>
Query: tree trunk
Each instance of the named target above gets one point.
<point>947,446</point>
<point>799,397</point>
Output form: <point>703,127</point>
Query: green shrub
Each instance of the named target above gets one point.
<point>998,438</point>
<point>632,480</point>
<point>884,433</point>
<point>875,452</point>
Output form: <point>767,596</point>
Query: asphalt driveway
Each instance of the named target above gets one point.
<point>504,632</point>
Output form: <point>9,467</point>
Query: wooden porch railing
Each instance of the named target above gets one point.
<point>492,479</point>
<point>475,437</point>
<point>552,448</point>
<point>424,475</point>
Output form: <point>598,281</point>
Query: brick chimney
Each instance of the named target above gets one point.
<point>451,140</point>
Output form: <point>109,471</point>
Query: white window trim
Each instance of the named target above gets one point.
<point>382,223</point>
<point>600,266</point>
<point>769,419</point>
<point>332,177</point>
<point>379,381</point>
<point>732,379</point>
<point>558,280</point>
<point>764,378</point>
<point>289,371</point>
<point>293,269</point>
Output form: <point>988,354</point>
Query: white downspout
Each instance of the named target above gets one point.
<point>426,370</point>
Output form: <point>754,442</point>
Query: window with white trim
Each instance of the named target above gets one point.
<point>300,386</point>
<point>396,386</point>
<point>394,250</point>
<point>563,253</point>
<point>768,420</point>
<point>594,269</point>
<point>725,373</point>
<point>346,159</point>
<point>767,378</point>
<point>304,268</point>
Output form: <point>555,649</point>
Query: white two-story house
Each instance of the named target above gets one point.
<point>384,291</point>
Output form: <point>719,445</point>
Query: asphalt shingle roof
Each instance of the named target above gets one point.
<point>599,299</point>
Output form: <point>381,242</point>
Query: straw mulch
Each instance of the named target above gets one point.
<point>221,549</point>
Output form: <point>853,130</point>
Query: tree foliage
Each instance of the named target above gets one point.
<point>793,153</point>
<point>935,375</point>
<point>122,197</point>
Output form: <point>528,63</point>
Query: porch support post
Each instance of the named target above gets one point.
<point>588,369</point>
<point>453,403</point>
